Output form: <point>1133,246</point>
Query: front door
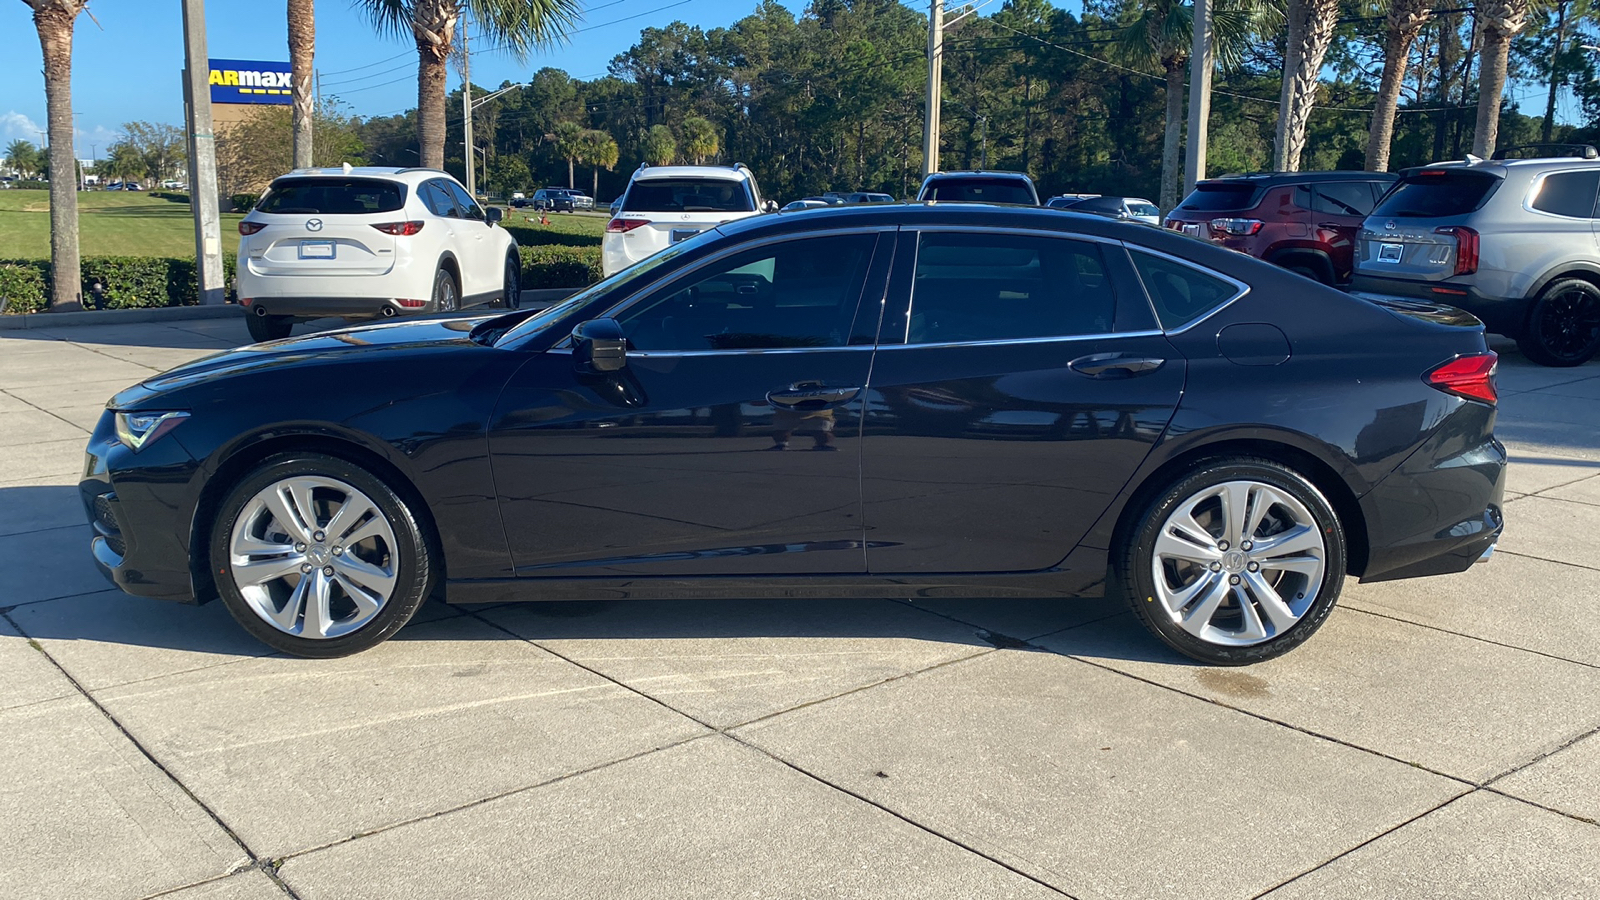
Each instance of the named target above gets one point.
<point>730,441</point>
<point>1338,209</point>
<point>1019,382</point>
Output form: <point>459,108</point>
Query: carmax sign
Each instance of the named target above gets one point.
<point>249,81</point>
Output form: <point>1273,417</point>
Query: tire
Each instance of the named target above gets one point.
<point>446,293</point>
<point>274,577</point>
<point>1563,327</point>
<point>1211,599</point>
<point>268,328</point>
<point>511,297</point>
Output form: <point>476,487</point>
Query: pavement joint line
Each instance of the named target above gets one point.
<point>1559,562</point>
<point>567,776</point>
<point>1549,809</point>
<point>1470,637</point>
<point>254,858</point>
<point>1539,758</point>
<point>49,412</point>
<point>1385,833</point>
<point>43,530</point>
<point>266,867</point>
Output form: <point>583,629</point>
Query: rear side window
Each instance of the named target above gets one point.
<point>1220,197</point>
<point>1436,193</point>
<point>997,287</point>
<point>688,195</point>
<point>1181,294</point>
<point>1568,194</point>
<point>980,190</point>
<point>1344,198</point>
<point>438,200</point>
<point>332,197</point>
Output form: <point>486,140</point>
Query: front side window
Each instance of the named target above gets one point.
<point>332,197</point>
<point>971,287</point>
<point>798,293</point>
<point>1180,293</point>
<point>1568,194</point>
<point>688,195</point>
<point>467,205</point>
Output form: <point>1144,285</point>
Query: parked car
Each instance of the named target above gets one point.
<point>363,243</point>
<point>840,198</point>
<point>553,200</point>
<point>1062,201</point>
<point>1303,221</point>
<point>667,204</point>
<point>519,201</point>
<point>1133,209</point>
<point>580,200</point>
<point>1511,241</point>
<point>808,203</point>
<point>1034,404</point>
<point>979,187</point>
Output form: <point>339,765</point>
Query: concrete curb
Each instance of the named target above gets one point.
<point>531,298</point>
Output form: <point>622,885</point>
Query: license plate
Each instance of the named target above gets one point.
<point>1390,253</point>
<point>1192,230</point>
<point>316,249</point>
<point>683,234</point>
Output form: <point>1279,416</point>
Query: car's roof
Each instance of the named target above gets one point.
<point>1275,178</point>
<point>1503,167</point>
<point>723,173</point>
<point>978,173</point>
<point>410,175</point>
<point>914,214</point>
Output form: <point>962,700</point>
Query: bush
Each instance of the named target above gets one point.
<point>22,287</point>
<point>556,266</point>
<point>564,230</point>
<point>244,202</point>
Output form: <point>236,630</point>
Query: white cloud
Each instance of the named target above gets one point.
<point>15,125</point>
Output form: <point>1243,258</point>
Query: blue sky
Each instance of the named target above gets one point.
<point>129,71</point>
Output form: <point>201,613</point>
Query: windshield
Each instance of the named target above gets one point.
<point>1436,193</point>
<point>1220,197</point>
<point>620,282</point>
<point>980,190</point>
<point>1143,208</point>
<point>332,196</point>
<point>688,195</point>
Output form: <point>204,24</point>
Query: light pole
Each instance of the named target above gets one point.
<point>1201,63</point>
<point>930,125</point>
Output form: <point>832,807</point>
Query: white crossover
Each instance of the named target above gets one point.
<point>667,204</point>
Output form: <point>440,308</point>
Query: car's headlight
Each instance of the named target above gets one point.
<point>136,429</point>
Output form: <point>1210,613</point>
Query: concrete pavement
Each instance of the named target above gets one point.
<point>1438,738</point>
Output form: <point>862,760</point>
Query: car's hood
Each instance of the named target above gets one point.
<point>360,342</point>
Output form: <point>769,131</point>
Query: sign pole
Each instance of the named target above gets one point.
<point>203,198</point>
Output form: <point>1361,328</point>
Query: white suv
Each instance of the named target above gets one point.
<point>667,204</point>
<point>362,243</point>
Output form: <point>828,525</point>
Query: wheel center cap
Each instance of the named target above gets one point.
<point>318,555</point>
<point>1234,561</point>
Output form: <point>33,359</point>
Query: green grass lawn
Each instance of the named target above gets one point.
<point>110,223</point>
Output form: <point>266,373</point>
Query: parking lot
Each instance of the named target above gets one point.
<point>1438,737</point>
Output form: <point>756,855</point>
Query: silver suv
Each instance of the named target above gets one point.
<point>1512,241</point>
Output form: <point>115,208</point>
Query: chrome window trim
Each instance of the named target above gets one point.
<point>1537,187</point>
<point>1240,287</point>
<point>1026,232</point>
<point>1011,342</point>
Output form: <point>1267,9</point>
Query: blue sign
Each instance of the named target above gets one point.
<point>250,81</point>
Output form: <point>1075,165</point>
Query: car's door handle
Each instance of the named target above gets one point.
<point>1114,365</point>
<point>812,397</point>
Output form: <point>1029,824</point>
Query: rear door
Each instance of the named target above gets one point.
<point>323,227</point>
<point>481,269</point>
<point>1019,381</point>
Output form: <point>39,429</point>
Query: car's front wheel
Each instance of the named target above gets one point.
<point>1235,562</point>
<point>317,557</point>
<point>1563,324</point>
<point>446,298</point>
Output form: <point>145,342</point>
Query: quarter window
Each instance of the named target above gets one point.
<point>1181,294</point>
<point>1568,194</point>
<point>800,293</point>
<point>998,287</point>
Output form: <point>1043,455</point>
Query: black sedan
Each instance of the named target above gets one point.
<point>885,400</point>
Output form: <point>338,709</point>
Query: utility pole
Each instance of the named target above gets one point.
<point>466,112</point>
<point>1201,62</point>
<point>202,155</point>
<point>930,125</point>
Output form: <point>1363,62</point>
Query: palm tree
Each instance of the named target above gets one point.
<point>1401,27</point>
<point>1500,20</point>
<point>22,156</point>
<point>699,139</point>
<point>1311,26</point>
<point>569,146</point>
<point>658,146</point>
<point>302,50</point>
<point>514,25</point>
<point>599,150</point>
<point>54,20</point>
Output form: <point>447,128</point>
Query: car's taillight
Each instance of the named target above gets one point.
<point>250,227</point>
<point>623,226</point>
<point>1471,377</point>
<point>401,228</point>
<point>1466,247</point>
<point>1241,227</point>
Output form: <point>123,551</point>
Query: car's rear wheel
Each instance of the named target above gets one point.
<point>1235,562</point>
<point>446,296</point>
<point>268,328</point>
<point>512,298</point>
<point>1563,326</point>
<point>317,557</point>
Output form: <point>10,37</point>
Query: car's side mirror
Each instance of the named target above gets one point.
<point>598,345</point>
<point>493,215</point>
<point>768,206</point>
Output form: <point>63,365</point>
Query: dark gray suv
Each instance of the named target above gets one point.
<point>1512,241</point>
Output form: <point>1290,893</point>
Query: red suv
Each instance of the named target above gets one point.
<point>1304,221</point>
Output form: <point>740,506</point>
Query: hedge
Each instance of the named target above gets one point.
<point>557,266</point>
<point>540,236</point>
<point>131,282</point>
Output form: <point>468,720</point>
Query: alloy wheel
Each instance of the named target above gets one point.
<point>313,557</point>
<point>1569,326</point>
<point>1238,563</point>
<point>444,292</point>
